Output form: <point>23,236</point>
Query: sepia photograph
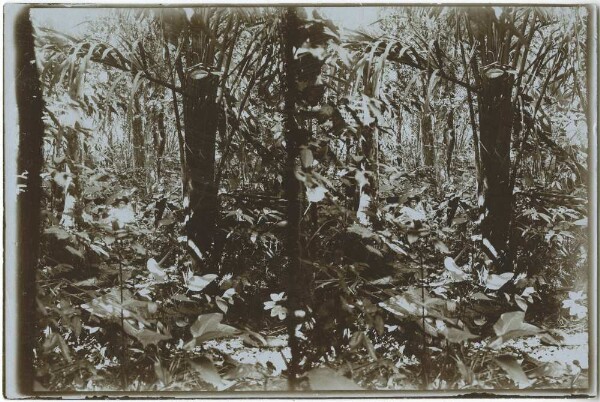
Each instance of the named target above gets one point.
<point>234,201</point>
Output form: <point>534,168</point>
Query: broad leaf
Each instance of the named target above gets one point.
<point>454,270</point>
<point>157,272</point>
<point>441,246</point>
<point>495,282</point>
<point>222,331</point>
<point>75,251</point>
<point>315,194</point>
<point>412,214</point>
<point>514,371</point>
<point>198,283</point>
<point>521,302</point>
<point>550,369</point>
<point>501,340</point>
<point>306,157</point>
<point>326,379</point>
<point>145,336</point>
<point>205,323</point>
<point>99,250</point>
<point>198,74</point>
<point>362,231</point>
<point>58,232</point>
<point>480,296</point>
<point>221,304</point>
<point>512,321</point>
<point>209,374</point>
<point>401,306</point>
<point>455,335</point>
<point>494,73</point>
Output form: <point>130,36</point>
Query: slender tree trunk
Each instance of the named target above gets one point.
<point>292,191</point>
<point>72,208</point>
<point>426,127</point>
<point>31,132</point>
<point>161,140</point>
<point>495,117</point>
<point>137,132</point>
<point>368,193</point>
<point>449,140</point>
<point>427,137</point>
<point>399,133</point>
<point>180,138</point>
<point>475,142</point>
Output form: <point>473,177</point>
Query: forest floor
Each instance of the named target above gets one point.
<point>562,366</point>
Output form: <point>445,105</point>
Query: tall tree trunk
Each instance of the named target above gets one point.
<point>495,125</point>
<point>445,120</point>
<point>137,132</point>
<point>368,192</point>
<point>449,139</point>
<point>426,127</point>
<point>427,138</point>
<point>292,191</point>
<point>161,140</point>
<point>31,132</point>
<point>200,123</point>
<point>399,122</point>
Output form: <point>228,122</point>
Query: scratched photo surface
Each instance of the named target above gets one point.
<point>385,200</point>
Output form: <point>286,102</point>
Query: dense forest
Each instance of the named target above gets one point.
<point>265,199</point>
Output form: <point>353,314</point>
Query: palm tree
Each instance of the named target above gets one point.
<point>506,59</point>
<point>198,66</point>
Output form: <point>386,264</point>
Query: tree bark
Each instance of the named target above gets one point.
<point>31,132</point>
<point>449,140</point>
<point>200,126</point>
<point>137,132</point>
<point>427,137</point>
<point>292,192</point>
<point>425,127</point>
<point>370,190</point>
<point>495,125</point>
<point>161,140</point>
